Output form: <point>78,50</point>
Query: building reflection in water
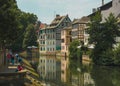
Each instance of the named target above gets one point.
<point>49,68</point>
<point>56,70</point>
<point>88,80</point>
<point>82,77</point>
<point>64,67</point>
<point>82,80</point>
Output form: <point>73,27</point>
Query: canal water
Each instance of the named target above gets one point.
<point>57,71</point>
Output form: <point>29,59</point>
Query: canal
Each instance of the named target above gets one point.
<point>57,71</point>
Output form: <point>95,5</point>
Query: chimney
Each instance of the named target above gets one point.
<point>102,2</point>
<point>94,10</point>
<point>57,15</point>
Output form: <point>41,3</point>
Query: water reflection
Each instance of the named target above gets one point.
<point>106,76</point>
<point>58,71</point>
<point>49,68</point>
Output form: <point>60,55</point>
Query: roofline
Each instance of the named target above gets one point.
<point>101,8</point>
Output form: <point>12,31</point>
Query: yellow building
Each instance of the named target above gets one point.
<point>66,39</point>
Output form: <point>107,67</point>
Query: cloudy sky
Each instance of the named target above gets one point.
<point>47,9</point>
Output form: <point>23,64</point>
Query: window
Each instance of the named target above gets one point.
<point>41,37</point>
<point>69,32</point>
<point>63,24</point>
<point>70,39</point>
<point>62,47</point>
<point>62,71</point>
<point>41,48</point>
<point>62,40</point>
<point>48,49</point>
<point>43,42</point>
<point>53,42</point>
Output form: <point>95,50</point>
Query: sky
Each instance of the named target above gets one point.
<point>47,9</point>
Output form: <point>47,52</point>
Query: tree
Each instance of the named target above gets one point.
<point>30,37</point>
<point>117,55</point>
<point>8,22</point>
<point>73,50</point>
<point>24,20</point>
<point>75,55</point>
<point>102,35</point>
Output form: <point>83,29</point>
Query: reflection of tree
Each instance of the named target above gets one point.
<point>106,76</point>
<point>73,72</point>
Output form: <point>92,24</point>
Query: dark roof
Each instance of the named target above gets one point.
<point>84,19</point>
<point>56,22</point>
<point>104,7</point>
<point>75,21</point>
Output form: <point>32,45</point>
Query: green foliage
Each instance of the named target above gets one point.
<point>95,28</point>
<point>117,55</point>
<point>37,25</point>
<point>24,20</point>
<point>75,55</point>
<point>8,21</point>
<point>13,24</point>
<point>105,76</point>
<point>107,58</point>
<point>30,37</point>
<point>102,35</point>
<point>73,49</point>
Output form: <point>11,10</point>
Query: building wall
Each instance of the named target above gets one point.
<point>81,32</point>
<point>86,35</point>
<point>52,37</point>
<point>50,40</point>
<point>74,32</point>
<point>65,23</point>
<point>42,41</point>
<point>66,39</point>
<point>47,40</point>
